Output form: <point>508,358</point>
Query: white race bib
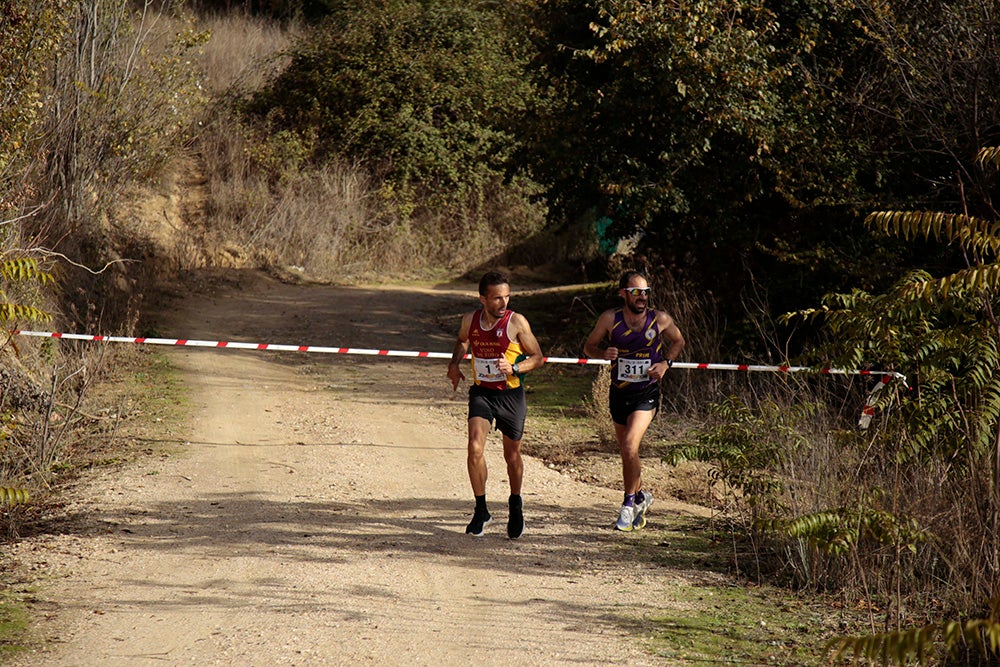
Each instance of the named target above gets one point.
<point>488,370</point>
<point>633,370</point>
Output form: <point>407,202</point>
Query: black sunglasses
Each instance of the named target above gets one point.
<point>638,291</point>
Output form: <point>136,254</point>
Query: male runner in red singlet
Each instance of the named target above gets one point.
<point>503,349</point>
<point>641,344</point>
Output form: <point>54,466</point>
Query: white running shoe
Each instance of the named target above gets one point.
<point>625,517</point>
<point>639,520</point>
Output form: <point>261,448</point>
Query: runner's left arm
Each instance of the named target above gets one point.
<point>672,336</point>
<point>529,346</point>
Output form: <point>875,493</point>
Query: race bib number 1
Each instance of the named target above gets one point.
<point>633,370</point>
<point>488,370</point>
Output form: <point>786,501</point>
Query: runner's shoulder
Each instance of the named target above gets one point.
<point>663,318</point>
<point>518,322</point>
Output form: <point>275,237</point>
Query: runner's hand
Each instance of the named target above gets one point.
<point>455,375</point>
<point>658,370</point>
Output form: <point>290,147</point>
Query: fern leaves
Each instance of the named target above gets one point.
<point>16,274</point>
<point>980,239</point>
<point>989,155</point>
<point>972,233</point>
<point>13,496</point>
<point>24,269</point>
<point>944,333</point>
<point>921,644</point>
<point>835,531</point>
<point>11,312</point>
<point>748,447</point>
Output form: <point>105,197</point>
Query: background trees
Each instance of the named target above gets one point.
<point>700,125</point>
<point>32,34</point>
<point>749,139</point>
<point>421,90</point>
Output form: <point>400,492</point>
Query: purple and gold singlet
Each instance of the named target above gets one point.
<point>638,349</point>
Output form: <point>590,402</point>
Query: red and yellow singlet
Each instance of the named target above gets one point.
<point>488,346</point>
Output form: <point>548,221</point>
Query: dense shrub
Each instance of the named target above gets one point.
<point>423,91</point>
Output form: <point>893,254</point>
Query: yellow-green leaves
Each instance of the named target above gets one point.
<point>989,155</point>
<point>12,496</point>
<point>974,234</point>
<point>920,645</point>
<point>24,269</point>
<point>19,276</point>
<point>979,239</point>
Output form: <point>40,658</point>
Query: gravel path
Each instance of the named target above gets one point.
<point>315,514</point>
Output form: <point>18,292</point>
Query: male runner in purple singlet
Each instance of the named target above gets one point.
<point>641,343</point>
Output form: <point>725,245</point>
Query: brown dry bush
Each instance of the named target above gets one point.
<point>53,416</point>
<point>244,51</point>
<point>596,405</point>
<point>321,222</point>
<point>340,221</point>
<point>119,96</point>
<point>325,221</point>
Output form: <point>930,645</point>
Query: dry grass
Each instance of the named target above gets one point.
<point>338,221</point>
<point>319,222</point>
<point>244,51</point>
<point>596,404</point>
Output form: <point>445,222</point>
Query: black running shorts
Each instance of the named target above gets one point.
<point>507,407</point>
<point>624,403</point>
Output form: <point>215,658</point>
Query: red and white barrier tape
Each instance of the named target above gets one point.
<point>276,347</point>
<point>428,355</point>
<point>887,376</point>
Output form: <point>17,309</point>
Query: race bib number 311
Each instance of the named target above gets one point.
<point>633,370</point>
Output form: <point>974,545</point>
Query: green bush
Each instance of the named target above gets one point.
<point>422,90</point>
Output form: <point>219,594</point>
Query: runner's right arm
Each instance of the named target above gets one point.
<point>458,352</point>
<point>601,332</point>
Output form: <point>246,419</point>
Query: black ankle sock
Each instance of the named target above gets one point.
<point>515,521</point>
<point>481,503</point>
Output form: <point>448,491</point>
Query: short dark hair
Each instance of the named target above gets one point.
<point>492,278</point>
<point>628,276</point>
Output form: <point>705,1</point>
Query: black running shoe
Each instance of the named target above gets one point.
<point>475,527</point>
<point>515,520</point>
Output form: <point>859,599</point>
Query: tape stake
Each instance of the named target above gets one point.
<point>869,410</point>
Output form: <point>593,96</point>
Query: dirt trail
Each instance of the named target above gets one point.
<point>315,515</point>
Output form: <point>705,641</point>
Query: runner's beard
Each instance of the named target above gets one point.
<point>636,307</point>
